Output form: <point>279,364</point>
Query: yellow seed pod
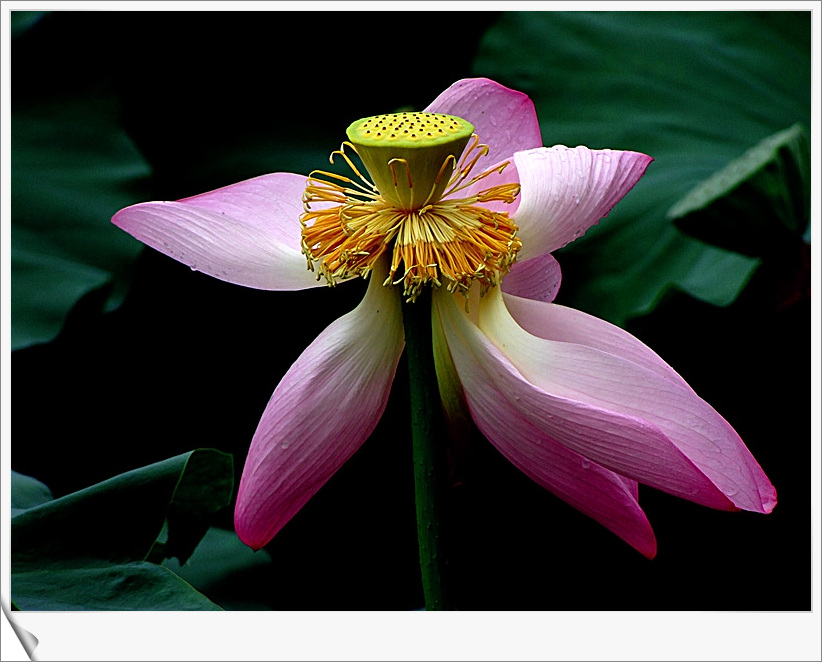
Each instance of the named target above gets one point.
<point>410,156</point>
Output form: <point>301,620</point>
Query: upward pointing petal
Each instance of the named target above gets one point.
<point>565,191</point>
<point>247,233</point>
<point>325,407</point>
<point>504,119</point>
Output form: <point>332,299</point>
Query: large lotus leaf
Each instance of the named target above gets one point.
<point>105,587</point>
<point>695,90</point>
<point>73,166</point>
<point>109,534</point>
<point>756,204</point>
<point>227,570</point>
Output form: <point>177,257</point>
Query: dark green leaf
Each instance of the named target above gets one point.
<point>223,568</point>
<point>116,523</point>
<point>73,168</point>
<point>693,89</point>
<point>758,202</point>
<point>120,518</point>
<point>203,489</point>
<point>127,586</point>
<point>27,492</point>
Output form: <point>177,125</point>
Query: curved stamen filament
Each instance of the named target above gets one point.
<point>457,182</point>
<point>314,181</point>
<point>407,171</point>
<point>438,178</point>
<point>341,152</point>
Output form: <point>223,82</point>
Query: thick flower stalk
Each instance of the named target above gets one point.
<point>462,199</point>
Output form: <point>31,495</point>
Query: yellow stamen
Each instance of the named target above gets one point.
<point>434,237</point>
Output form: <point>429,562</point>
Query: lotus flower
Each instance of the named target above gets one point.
<point>579,405</point>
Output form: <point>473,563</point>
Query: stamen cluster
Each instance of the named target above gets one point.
<point>447,240</point>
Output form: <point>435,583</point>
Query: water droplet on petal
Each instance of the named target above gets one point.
<point>284,445</point>
<point>586,464</point>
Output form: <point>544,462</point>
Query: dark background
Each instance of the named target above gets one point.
<point>189,362</point>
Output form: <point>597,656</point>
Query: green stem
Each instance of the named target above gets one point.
<point>427,428</point>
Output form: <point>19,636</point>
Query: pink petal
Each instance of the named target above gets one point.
<point>538,278</point>
<point>247,233</point>
<point>581,358</point>
<point>563,324</point>
<point>504,119</point>
<point>565,191</point>
<point>625,444</point>
<point>325,407</point>
<point>603,495</point>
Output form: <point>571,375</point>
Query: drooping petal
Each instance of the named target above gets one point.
<point>596,365</point>
<point>325,407</point>
<point>504,119</point>
<point>604,496</point>
<point>628,445</point>
<point>538,278</point>
<point>567,190</point>
<point>247,233</point>
<point>601,494</point>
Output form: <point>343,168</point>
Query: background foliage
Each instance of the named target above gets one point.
<point>114,108</point>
